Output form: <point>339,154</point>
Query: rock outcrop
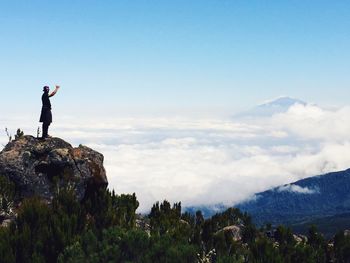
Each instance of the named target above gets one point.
<point>37,167</point>
<point>234,231</point>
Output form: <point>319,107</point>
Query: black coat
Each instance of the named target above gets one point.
<point>46,115</point>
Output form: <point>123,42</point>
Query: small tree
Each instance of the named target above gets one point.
<point>9,136</point>
<point>19,134</point>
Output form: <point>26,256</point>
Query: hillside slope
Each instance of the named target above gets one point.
<point>305,200</point>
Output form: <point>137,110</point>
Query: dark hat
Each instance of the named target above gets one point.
<point>45,88</point>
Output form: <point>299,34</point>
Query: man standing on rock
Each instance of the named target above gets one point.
<point>46,115</point>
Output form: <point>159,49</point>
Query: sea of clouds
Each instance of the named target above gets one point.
<point>206,161</point>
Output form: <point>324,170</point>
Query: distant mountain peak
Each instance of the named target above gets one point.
<point>271,107</point>
<point>282,101</point>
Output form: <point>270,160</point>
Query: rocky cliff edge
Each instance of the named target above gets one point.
<point>38,167</point>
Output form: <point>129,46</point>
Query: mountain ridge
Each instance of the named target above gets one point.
<point>321,198</point>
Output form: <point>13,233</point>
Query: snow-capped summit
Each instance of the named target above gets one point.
<point>282,102</point>
<point>269,108</point>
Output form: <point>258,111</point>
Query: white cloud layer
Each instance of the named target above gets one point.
<point>297,189</point>
<point>209,161</point>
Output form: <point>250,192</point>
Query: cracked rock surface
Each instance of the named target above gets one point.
<point>37,167</point>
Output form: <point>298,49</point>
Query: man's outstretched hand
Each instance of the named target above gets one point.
<point>55,91</point>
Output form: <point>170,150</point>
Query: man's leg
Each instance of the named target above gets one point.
<point>45,129</point>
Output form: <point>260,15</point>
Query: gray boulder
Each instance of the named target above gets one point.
<point>38,167</point>
<point>234,231</point>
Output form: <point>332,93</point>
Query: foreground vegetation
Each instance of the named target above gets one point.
<point>105,228</point>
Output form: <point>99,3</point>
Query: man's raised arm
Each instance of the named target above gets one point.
<point>55,91</point>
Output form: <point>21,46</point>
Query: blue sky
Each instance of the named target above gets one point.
<point>173,54</point>
<point>116,58</point>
